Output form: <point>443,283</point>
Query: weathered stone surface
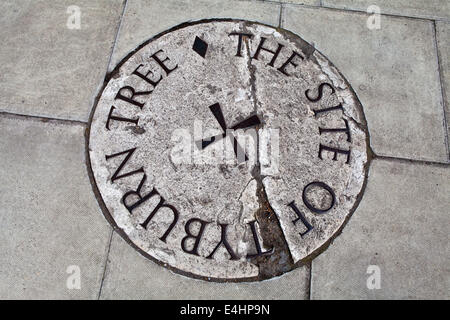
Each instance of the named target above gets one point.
<point>443,36</point>
<point>47,69</point>
<point>307,115</point>
<point>400,91</point>
<point>131,276</point>
<point>144,19</point>
<point>401,226</point>
<point>300,139</point>
<point>434,9</point>
<point>50,219</point>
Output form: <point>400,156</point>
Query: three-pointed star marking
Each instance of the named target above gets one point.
<point>244,124</point>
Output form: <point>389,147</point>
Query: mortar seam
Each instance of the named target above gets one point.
<point>411,161</point>
<point>310,280</point>
<point>116,38</point>
<point>348,10</point>
<point>106,264</point>
<point>442,87</point>
<point>280,20</point>
<point>5,114</point>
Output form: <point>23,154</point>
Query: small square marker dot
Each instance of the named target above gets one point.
<point>200,47</point>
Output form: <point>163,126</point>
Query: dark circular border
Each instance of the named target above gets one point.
<point>305,261</point>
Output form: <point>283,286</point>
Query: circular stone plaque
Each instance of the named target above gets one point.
<point>227,150</point>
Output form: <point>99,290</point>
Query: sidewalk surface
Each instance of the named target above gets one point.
<point>51,72</point>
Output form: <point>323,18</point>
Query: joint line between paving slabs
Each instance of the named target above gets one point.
<point>42,118</point>
<point>310,280</point>
<point>106,264</point>
<point>358,11</point>
<point>441,82</point>
<point>412,161</point>
<point>117,35</point>
<point>280,20</point>
<point>267,1</point>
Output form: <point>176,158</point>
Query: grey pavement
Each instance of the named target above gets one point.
<point>49,78</point>
<point>143,280</point>
<point>396,76</point>
<point>50,221</point>
<point>47,69</point>
<point>398,227</point>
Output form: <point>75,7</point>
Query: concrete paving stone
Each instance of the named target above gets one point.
<point>394,71</point>
<point>47,69</point>
<point>443,36</point>
<point>432,9</point>
<point>402,226</point>
<point>49,216</point>
<point>144,19</point>
<point>131,276</point>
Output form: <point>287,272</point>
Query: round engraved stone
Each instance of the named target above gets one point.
<point>227,150</point>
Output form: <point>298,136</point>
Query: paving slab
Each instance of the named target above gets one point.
<point>48,67</point>
<point>144,19</point>
<point>443,36</point>
<point>49,216</point>
<point>432,9</point>
<point>132,276</point>
<point>402,227</point>
<point>400,91</point>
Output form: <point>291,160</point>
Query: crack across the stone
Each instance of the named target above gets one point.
<point>278,260</point>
